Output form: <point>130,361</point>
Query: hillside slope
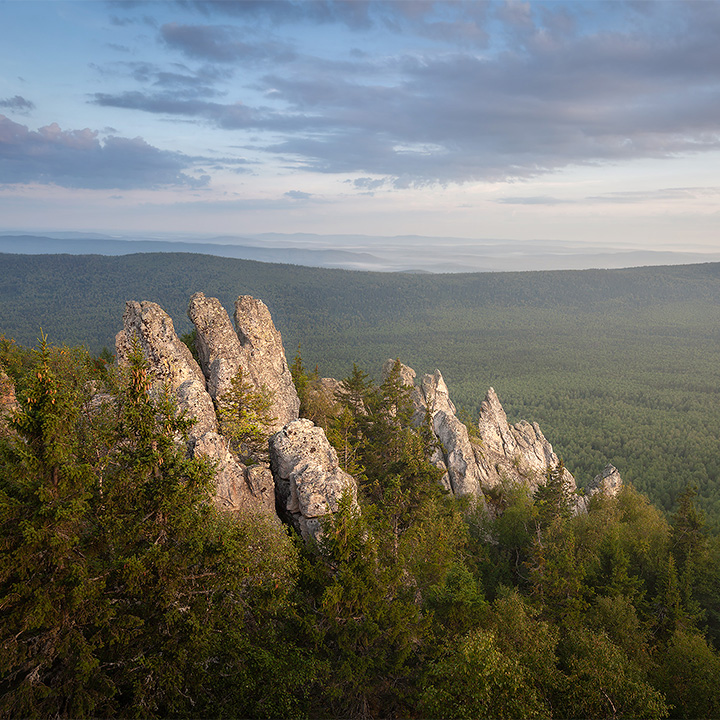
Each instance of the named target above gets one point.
<point>617,366</point>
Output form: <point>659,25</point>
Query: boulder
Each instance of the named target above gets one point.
<point>308,479</point>
<point>265,357</point>
<point>237,487</point>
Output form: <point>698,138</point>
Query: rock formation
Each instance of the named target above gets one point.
<point>218,346</point>
<point>433,399</point>
<point>172,364</point>
<point>265,357</point>
<point>255,348</point>
<point>304,482</point>
<point>608,483</point>
<point>8,401</point>
<point>148,326</point>
<point>501,452</point>
<point>309,480</point>
<point>517,452</point>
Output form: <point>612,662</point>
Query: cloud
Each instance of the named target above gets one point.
<point>79,159</point>
<point>298,195</point>
<point>536,200</point>
<point>661,195</point>
<point>369,184</point>
<point>221,43</point>
<point>175,78</point>
<point>228,116</point>
<point>555,86</point>
<point>625,197</point>
<point>461,22</point>
<point>18,104</point>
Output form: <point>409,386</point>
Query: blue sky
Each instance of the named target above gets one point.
<point>590,122</point>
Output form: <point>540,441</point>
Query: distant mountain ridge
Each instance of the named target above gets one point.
<point>41,245</point>
<point>407,253</point>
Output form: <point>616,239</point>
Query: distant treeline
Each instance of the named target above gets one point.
<point>616,366</point>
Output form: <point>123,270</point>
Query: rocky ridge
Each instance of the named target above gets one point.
<point>308,481</point>
<point>498,453</point>
<point>303,482</point>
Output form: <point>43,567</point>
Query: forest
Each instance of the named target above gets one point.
<point>618,366</point>
<point>125,593</point>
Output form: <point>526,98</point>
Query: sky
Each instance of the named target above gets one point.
<point>582,122</point>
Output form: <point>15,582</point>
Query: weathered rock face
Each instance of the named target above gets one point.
<point>608,482</point>
<point>172,365</point>
<point>218,346</point>
<point>308,479</point>
<point>237,487</point>
<point>517,452</point>
<point>170,360</point>
<point>265,357</point>
<point>255,348</point>
<point>458,454</point>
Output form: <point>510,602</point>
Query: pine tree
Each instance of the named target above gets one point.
<point>365,622</point>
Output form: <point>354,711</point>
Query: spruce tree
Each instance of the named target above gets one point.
<point>53,602</point>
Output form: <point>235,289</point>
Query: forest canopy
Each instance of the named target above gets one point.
<point>124,592</point>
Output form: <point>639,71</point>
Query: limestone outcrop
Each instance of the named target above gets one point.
<point>608,483</point>
<point>518,453</point>
<point>308,479</point>
<point>303,482</point>
<point>8,401</point>
<point>254,346</point>
<point>237,486</point>
<point>218,346</point>
<point>458,455</point>
<point>147,326</point>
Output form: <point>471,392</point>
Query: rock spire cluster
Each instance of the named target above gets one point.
<point>308,482</point>
<point>498,452</point>
<point>303,482</point>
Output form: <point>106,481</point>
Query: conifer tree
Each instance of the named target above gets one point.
<point>245,414</point>
<point>53,604</point>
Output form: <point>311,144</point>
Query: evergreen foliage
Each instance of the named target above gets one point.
<point>125,593</point>
<point>245,416</point>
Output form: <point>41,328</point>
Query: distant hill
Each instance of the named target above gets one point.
<point>103,245</point>
<point>80,298</point>
<point>405,253</point>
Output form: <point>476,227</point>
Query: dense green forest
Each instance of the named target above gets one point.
<point>619,366</point>
<point>125,593</point>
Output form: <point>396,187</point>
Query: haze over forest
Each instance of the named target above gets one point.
<point>408,253</point>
